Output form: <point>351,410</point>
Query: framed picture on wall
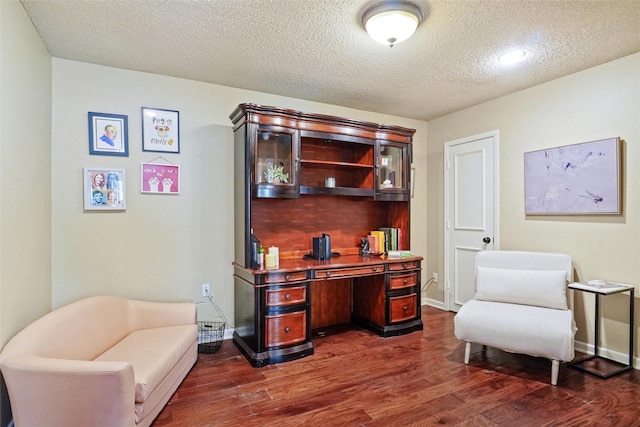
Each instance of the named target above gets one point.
<point>108,134</point>
<point>160,130</point>
<point>104,189</point>
<point>578,179</point>
<point>160,178</point>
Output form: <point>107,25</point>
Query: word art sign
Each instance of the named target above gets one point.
<point>160,130</point>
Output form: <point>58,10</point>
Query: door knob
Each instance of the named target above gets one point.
<point>486,240</point>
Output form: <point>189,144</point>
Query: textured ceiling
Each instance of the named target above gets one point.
<point>317,50</point>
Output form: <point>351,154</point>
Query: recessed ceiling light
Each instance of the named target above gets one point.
<point>512,57</point>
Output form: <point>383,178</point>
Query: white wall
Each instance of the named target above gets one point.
<point>25,177</point>
<point>597,103</point>
<point>25,172</point>
<point>161,247</point>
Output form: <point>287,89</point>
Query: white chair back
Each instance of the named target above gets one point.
<point>520,260</point>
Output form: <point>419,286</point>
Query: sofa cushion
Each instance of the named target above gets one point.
<point>153,353</point>
<point>517,328</point>
<point>542,288</point>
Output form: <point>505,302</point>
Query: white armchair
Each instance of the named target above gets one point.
<point>520,306</point>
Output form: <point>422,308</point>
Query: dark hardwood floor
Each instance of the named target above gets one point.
<point>356,378</point>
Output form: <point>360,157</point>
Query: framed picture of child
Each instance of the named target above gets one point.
<point>104,189</point>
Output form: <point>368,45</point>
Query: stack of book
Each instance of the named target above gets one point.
<point>385,239</point>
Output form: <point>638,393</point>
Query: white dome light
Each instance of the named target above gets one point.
<point>392,22</point>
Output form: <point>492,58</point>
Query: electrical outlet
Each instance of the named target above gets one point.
<point>434,276</point>
<point>206,289</point>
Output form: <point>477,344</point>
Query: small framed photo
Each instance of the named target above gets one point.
<point>108,134</point>
<point>160,130</point>
<point>160,179</point>
<point>104,189</point>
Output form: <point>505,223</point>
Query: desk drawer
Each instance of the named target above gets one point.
<point>285,277</point>
<point>403,308</point>
<point>285,296</point>
<point>400,281</point>
<point>285,329</point>
<point>408,265</point>
<point>349,272</point>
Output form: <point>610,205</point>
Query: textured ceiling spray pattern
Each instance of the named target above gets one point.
<point>317,50</point>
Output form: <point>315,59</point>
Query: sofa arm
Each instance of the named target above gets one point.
<point>59,392</point>
<point>147,314</point>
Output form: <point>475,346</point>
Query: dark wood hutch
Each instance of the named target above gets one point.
<point>282,161</point>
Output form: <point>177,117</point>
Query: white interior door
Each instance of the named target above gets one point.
<point>470,211</point>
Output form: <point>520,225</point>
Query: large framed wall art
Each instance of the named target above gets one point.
<point>578,179</point>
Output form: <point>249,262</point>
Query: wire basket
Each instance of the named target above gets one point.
<point>210,336</point>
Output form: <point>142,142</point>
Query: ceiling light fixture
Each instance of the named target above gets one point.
<point>391,22</point>
<point>512,57</point>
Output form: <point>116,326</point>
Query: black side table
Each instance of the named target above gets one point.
<point>601,288</point>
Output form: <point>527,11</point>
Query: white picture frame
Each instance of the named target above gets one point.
<point>104,189</point>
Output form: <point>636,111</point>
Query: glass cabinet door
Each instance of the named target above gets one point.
<point>276,162</point>
<point>392,175</point>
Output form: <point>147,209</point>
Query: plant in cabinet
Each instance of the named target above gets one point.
<point>276,175</point>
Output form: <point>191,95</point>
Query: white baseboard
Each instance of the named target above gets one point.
<point>432,303</point>
<point>228,333</point>
<point>605,352</point>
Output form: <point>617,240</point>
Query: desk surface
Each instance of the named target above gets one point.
<point>342,261</point>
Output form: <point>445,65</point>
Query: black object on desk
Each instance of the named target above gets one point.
<point>602,288</point>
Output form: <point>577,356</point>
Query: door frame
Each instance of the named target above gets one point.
<point>495,134</point>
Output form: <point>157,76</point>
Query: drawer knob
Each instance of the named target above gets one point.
<point>405,308</point>
<point>405,281</point>
<point>287,329</point>
<point>287,297</point>
<point>404,265</point>
<point>328,273</point>
<point>287,276</point>
<point>374,269</point>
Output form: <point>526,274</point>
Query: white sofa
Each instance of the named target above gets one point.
<point>520,306</point>
<point>101,361</point>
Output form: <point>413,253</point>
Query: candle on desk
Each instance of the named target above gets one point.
<point>273,250</point>
<point>269,260</point>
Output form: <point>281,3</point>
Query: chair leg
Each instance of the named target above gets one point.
<point>467,352</point>
<point>555,368</point>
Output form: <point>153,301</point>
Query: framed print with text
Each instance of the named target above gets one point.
<point>160,179</point>
<point>104,189</point>
<point>160,130</point>
<point>108,134</point>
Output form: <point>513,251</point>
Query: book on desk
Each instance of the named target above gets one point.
<point>600,286</point>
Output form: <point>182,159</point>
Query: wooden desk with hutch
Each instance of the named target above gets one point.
<point>278,310</point>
